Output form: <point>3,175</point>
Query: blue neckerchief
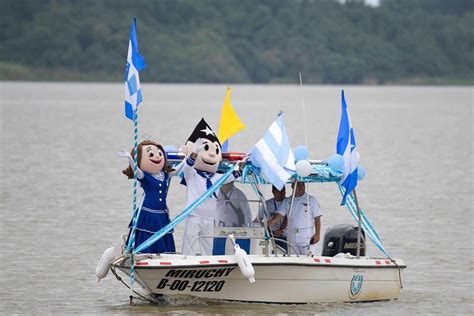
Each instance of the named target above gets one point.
<point>207,175</point>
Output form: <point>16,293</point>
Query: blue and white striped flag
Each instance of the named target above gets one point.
<point>273,154</point>
<point>346,147</point>
<point>135,63</point>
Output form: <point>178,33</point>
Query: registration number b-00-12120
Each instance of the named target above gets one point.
<point>195,286</point>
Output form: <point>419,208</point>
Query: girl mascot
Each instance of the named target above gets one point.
<point>153,173</point>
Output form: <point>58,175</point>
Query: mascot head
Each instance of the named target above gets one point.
<point>210,157</point>
<point>151,158</point>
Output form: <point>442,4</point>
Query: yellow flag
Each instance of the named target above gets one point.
<point>230,122</point>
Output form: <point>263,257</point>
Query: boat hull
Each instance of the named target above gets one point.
<point>287,280</point>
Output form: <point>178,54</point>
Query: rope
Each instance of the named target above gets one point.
<point>135,185</point>
<point>131,240</point>
<point>399,272</point>
<point>135,179</point>
<point>141,297</point>
<point>366,226</point>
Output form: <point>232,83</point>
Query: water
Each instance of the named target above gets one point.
<point>64,199</point>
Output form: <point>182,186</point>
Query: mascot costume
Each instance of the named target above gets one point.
<point>153,173</point>
<point>204,154</point>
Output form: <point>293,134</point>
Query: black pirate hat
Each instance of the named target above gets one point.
<point>203,130</point>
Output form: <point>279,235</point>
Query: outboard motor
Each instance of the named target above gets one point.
<point>342,238</point>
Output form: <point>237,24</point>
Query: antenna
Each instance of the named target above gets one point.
<point>306,144</point>
<point>304,113</point>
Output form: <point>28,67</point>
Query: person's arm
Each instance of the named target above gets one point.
<point>284,223</point>
<point>280,213</point>
<point>178,169</point>
<point>317,226</point>
<point>316,213</point>
<point>279,231</point>
<point>275,218</point>
<point>235,175</point>
<point>188,167</point>
<point>127,155</point>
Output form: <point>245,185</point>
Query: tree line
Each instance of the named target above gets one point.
<point>245,41</point>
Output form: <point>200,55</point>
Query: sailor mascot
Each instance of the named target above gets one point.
<point>203,152</point>
<point>153,173</point>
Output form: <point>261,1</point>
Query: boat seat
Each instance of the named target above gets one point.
<point>219,246</point>
<point>223,246</point>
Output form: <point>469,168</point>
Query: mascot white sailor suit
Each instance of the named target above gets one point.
<point>199,175</point>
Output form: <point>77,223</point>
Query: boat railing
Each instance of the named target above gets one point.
<point>266,239</point>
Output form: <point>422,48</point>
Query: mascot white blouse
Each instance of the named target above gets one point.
<point>204,154</point>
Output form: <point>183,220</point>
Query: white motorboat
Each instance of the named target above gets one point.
<point>280,277</point>
<point>287,279</point>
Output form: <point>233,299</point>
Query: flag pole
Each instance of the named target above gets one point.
<point>308,213</point>
<point>359,223</point>
<point>133,97</point>
<point>290,214</point>
<point>135,211</point>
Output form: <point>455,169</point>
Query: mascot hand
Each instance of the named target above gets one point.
<point>125,154</point>
<point>198,146</point>
<point>243,161</point>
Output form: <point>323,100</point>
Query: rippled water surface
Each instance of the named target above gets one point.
<point>64,199</point>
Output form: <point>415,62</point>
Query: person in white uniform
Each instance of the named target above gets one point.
<point>278,229</point>
<point>233,209</point>
<point>304,222</point>
<point>269,211</point>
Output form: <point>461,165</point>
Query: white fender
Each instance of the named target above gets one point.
<point>107,257</point>
<point>244,263</point>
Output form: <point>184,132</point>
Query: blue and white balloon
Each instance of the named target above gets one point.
<point>303,168</point>
<point>300,152</point>
<point>336,162</point>
<point>360,172</point>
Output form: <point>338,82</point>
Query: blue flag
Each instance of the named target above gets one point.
<point>346,147</point>
<point>135,63</point>
<point>273,154</point>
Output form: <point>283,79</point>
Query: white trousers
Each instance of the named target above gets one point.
<point>302,250</point>
<point>194,227</point>
<point>300,239</point>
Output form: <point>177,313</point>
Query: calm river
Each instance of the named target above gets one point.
<point>64,198</point>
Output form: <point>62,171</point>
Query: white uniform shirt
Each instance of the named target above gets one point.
<point>301,223</point>
<point>272,207</point>
<point>226,215</point>
<point>196,186</point>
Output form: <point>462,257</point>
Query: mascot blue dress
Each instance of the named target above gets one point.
<point>153,175</point>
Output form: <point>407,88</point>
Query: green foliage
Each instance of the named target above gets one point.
<point>221,41</point>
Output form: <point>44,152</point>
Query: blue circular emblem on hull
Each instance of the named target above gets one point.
<point>356,286</point>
